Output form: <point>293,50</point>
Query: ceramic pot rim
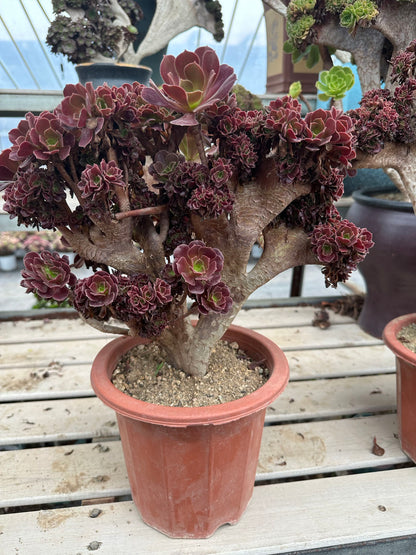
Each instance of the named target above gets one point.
<point>107,358</point>
<point>112,64</point>
<point>366,197</point>
<point>390,337</point>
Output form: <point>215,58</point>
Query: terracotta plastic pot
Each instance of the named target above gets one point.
<point>390,266</point>
<point>192,469</point>
<point>406,383</point>
<point>113,74</point>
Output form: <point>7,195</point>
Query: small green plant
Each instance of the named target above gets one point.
<point>295,89</point>
<point>246,100</point>
<point>335,83</point>
<point>361,11</point>
<point>159,367</point>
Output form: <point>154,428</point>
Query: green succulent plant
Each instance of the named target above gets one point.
<point>337,6</point>
<point>298,8</point>
<point>247,100</point>
<point>298,30</point>
<point>335,82</point>
<point>358,12</point>
<point>295,89</point>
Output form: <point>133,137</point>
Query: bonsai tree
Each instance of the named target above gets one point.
<point>105,30</point>
<point>170,190</point>
<point>379,35</point>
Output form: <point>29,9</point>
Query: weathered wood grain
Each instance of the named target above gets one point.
<point>281,518</point>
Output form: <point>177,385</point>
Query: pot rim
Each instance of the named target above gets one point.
<point>366,196</point>
<point>108,357</point>
<point>390,337</point>
<point>112,64</point>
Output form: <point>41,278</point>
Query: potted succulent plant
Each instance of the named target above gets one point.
<point>9,243</point>
<point>400,336</point>
<point>366,30</point>
<point>171,189</point>
<point>38,242</point>
<point>101,36</point>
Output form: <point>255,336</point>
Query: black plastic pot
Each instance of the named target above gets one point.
<point>389,269</point>
<point>113,74</point>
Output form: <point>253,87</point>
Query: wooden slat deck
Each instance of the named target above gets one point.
<point>319,484</point>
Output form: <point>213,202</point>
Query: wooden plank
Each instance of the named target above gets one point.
<point>79,351</point>
<point>333,398</point>
<point>63,473</point>
<point>56,420</point>
<point>310,337</point>
<point>70,329</point>
<point>329,446</point>
<point>31,382</point>
<point>84,471</point>
<point>56,381</point>
<point>285,316</point>
<point>40,355</point>
<point>281,518</point>
<point>340,362</point>
<point>70,419</point>
<point>23,331</point>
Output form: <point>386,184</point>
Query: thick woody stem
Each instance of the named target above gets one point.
<point>148,211</point>
<point>70,181</point>
<point>104,326</point>
<point>197,136</point>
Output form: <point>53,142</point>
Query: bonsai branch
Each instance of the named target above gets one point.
<point>284,248</point>
<point>148,211</point>
<point>401,158</point>
<point>104,326</point>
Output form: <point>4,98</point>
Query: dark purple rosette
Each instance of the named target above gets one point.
<point>325,244</point>
<point>220,172</point>
<point>141,299</point>
<point>8,167</point>
<point>163,291</point>
<point>340,246</point>
<point>97,180</point>
<point>284,117</point>
<point>216,298</point>
<point>85,108</point>
<point>199,266</point>
<point>210,202</point>
<point>36,198</point>
<point>48,275</point>
<point>332,127</point>
<point>41,136</point>
<point>98,290</point>
<point>193,81</point>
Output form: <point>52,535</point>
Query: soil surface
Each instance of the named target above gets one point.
<point>144,374</point>
<point>407,336</point>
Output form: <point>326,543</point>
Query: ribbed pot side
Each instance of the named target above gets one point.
<point>192,469</point>
<point>406,383</point>
<point>390,267</point>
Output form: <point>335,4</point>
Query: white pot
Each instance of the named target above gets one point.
<point>8,262</point>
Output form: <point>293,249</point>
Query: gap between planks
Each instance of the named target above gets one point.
<point>85,418</point>
<point>84,471</point>
<point>280,518</point>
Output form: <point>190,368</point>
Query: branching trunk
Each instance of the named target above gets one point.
<point>401,158</point>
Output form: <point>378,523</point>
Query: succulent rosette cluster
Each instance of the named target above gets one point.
<point>387,115</point>
<point>163,193</point>
<point>340,248</point>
